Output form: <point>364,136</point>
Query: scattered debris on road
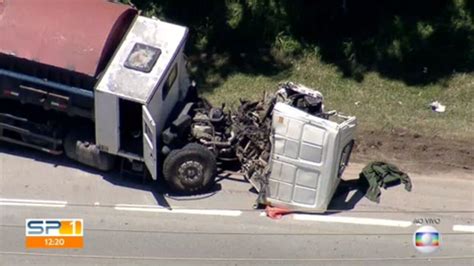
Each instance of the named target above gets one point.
<point>276,213</point>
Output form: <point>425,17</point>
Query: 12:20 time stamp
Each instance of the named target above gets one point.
<point>54,233</point>
<point>54,242</point>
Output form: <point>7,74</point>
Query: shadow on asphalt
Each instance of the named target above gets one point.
<point>158,188</point>
<point>340,201</point>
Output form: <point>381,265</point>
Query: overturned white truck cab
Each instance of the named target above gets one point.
<point>309,155</point>
<point>298,160</point>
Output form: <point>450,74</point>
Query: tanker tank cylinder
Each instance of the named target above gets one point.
<point>57,41</point>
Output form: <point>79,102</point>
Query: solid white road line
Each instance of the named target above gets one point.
<point>150,208</point>
<point>32,203</point>
<point>463,228</point>
<point>140,206</point>
<point>351,220</point>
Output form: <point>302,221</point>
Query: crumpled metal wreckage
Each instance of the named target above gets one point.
<point>290,150</point>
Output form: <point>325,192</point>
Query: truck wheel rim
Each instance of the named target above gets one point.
<point>191,170</point>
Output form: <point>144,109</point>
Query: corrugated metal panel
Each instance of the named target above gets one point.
<point>78,35</point>
<point>306,158</point>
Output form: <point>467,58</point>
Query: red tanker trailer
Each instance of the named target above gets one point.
<point>99,82</point>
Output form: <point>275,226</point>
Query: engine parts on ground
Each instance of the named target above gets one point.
<point>252,126</point>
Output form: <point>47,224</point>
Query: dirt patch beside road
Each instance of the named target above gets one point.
<point>414,152</point>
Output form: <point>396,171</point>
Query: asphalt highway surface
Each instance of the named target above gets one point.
<point>130,222</point>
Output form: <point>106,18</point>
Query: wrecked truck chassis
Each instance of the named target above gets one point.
<point>290,150</point>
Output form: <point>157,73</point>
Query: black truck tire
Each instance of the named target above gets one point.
<point>190,170</point>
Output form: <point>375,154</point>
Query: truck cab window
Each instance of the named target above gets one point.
<point>142,57</point>
<point>170,80</point>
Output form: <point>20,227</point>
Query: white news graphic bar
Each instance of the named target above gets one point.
<point>351,220</point>
<point>151,208</point>
<point>463,228</point>
<point>32,203</point>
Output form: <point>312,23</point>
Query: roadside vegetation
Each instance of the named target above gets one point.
<point>379,103</point>
<point>382,61</point>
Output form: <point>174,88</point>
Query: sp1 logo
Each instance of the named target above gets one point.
<point>54,233</point>
<point>42,227</point>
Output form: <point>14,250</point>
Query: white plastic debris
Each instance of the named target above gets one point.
<point>437,107</point>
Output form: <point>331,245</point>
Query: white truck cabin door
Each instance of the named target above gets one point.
<point>149,143</point>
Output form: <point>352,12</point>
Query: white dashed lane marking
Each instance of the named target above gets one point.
<point>228,213</point>
<point>352,220</point>
<point>463,228</point>
<point>151,208</point>
<point>33,203</point>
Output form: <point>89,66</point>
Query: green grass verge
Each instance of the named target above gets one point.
<point>382,104</point>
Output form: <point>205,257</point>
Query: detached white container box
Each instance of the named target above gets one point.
<point>308,157</point>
